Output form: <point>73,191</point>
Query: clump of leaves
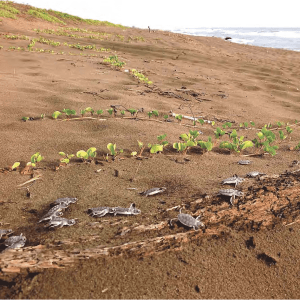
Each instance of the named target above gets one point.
<point>156,148</point>
<point>161,138</point>
<point>166,117</point>
<point>88,155</point>
<point>66,158</point>
<point>246,124</point>
<point>56,114</point>
<point>297,146</point>
<point>237,143</point>
<point>35,159</point>
<point>189,141</point>
<point>149,113</point>
<point>228,124</point>
<point>113,150</point>
<point>114,61</point>
<point>206,146</point>
<point>219,133</point>
<point>90,110</point>
<point>141,77</point>
<point>132,111</point>
<point>179,118</point>
<point>69,112</point>
<point>82,112</point>
<point>122,113</point>
<point>264,140</point>
<point>99,112</point>
<point>110,111</point>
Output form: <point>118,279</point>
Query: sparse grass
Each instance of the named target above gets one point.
<point>42,14</point>
<point>16,37</point>
<point>7,11</point>
<point>7,14</point>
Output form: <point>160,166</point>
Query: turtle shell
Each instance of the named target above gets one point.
<point>244,162</point>
<point>14,239</point>
<point>66,201</point>
<point>187,220</point>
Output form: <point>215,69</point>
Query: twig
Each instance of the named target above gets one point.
<point>31,180</point>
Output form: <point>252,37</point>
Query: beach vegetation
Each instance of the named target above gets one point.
<point>113,150</point>
<point>114,61</point>
<point>56,114</point>
<point>15,165</point>
<point>206,146</point>
<point>90,110</point>
<point>141,77</point>
<point>66,157</point>
<point>99,112</point>
<point>69,112</point>
<point>35,159</point>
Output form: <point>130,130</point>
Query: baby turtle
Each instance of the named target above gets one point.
<point>100,211</point>
<point>127,211</point>
<point>51,216</point>
<point>15,242</point>
<point>54,211</point>
<point>153,191</point>
<point>55,222</point>
<point>233,180</point>
<point>66,201</point>
<point>244,162</point>
<point>5,232</point>
<point>230,193</point>
<point>188,220</point>
<point>254,174</point>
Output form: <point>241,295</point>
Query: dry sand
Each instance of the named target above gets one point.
<point>250,250</point>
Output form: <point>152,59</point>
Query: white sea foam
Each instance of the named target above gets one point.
<point>284,38</point>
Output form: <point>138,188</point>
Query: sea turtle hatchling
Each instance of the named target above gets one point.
<point>100,211</point>
<point>153,191</point>
<point>66,201</point>
<point>48,216</point>
<point>55,222</point>
<point>132,210</point>
<point>254,174</point>
<point>230,193</point>
<point>188,220</point>
<point>54,211</point>
<point>17,240</point>
<point>244,162</point>
<point>5,232</point>
<point>233,180</point>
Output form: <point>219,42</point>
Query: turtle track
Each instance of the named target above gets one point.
<point>268,202</point>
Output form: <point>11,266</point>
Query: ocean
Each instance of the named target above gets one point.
<point>283,38</point>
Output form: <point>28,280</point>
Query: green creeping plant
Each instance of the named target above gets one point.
<point>66,157</point>
<point>112,148</point>
<point>35,158</point>
<point>56,114</point>
<point>90,154</point>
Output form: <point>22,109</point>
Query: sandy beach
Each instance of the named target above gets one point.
<point>248,249</point>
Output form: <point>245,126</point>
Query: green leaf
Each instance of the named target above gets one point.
<point>246,144</point>
<point>65,160</point>
<point>191,144</point>
<point>155,112</point>
<point>156,148</point>
<point>56,114</point>
<point>39,158</point>
<point>149,113</point>
<point>260,135</point>
<point>134,153</point>
<point>99,112</point>
<point>89,109</point>
<point>82,154</point>
<point>91,152</point>
<point>110,111</point>
<point>201,121</point>
<point>252,123</point>
<point>112,148</point>
<point>62,153</point>
<point>165,143</point>
<point>246,124</point>
<point>194,133</point>
<point>166,117</point>
<point>233,134</point>
<point>213,123</point>
<point>161,137</point>
<point>184,136</point>
<point>141,144</point>
<point>15,165</point>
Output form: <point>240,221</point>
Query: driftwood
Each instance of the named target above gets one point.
<point>270,201</point>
